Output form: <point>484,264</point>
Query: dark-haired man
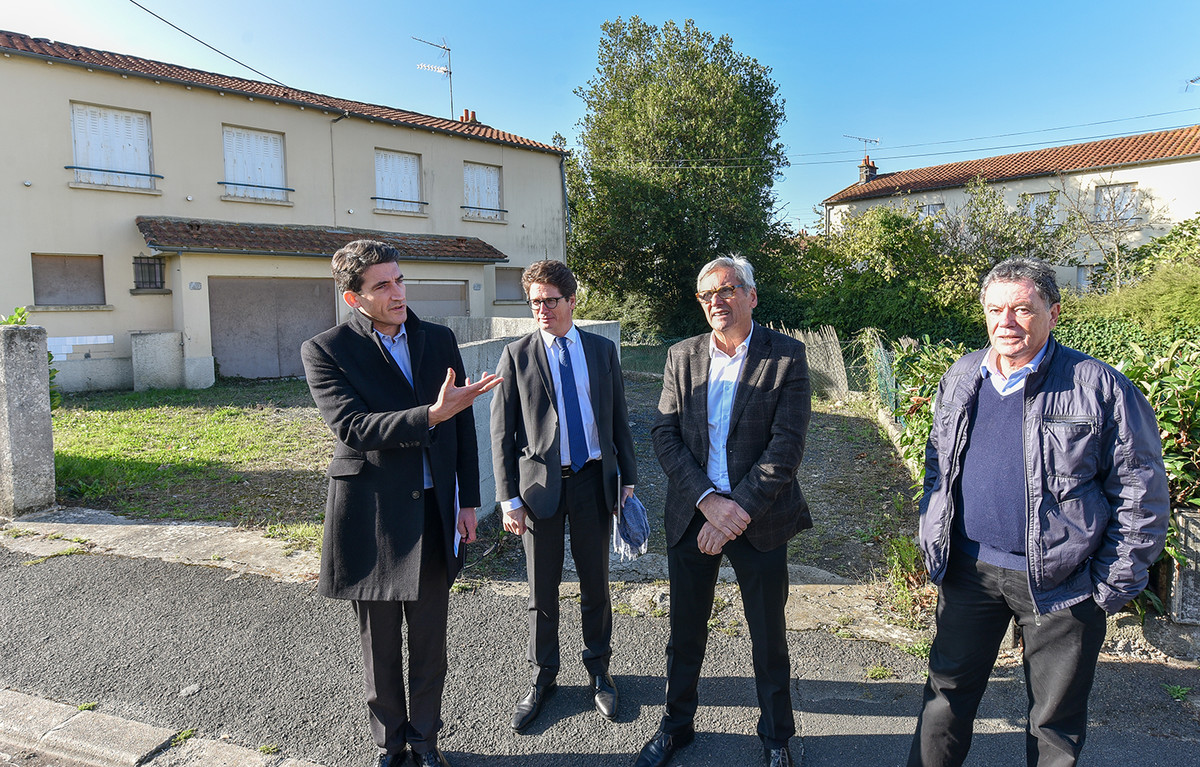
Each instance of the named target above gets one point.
<point>560,439</point>
<point>403,480</point>
<point>1045,503</point>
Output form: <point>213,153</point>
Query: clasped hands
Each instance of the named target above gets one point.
<point>725,520</point>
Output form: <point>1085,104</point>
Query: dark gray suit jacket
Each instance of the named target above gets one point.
<point>767,427</point>
<point>525,437</point>
<point>375,514</point>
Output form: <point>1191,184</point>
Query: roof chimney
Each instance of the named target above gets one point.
<point>866,171</point>
<point>466,118</point>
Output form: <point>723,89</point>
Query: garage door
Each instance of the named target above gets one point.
<point>258,323</point>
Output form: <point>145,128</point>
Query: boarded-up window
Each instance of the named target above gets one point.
<point>481,191</point>
<point>112,147</point>
<point>438,298</point>
<point>254,165</point>
<point>508,284</point>
<point>68,280</point>
<point>398,181</point>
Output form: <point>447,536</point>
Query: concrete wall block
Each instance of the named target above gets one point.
<point>26,438</point>
<point>97,374</point>
<point>1185,587</point>
<point>157,360</point>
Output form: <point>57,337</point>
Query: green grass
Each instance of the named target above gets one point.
<point>183,736</point>
<point>644,359</point>
<point>879,671</point>
<point>245,451</point>
<point>305,536</point>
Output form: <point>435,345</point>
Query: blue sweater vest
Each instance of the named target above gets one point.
<point>991,490</point>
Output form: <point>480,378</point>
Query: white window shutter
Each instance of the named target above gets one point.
<point>111,141</point>
<point>254,157</point>
<point>398,177</point>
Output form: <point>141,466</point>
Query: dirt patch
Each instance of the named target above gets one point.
<point>858,490</point>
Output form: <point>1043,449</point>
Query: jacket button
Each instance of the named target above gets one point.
<point>416,494</point>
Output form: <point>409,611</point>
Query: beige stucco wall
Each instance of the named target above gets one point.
<point>329,164</point>
<point>1170,188</point>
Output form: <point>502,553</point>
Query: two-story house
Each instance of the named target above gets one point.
<point>160,218</point>
<point>1140,184</point>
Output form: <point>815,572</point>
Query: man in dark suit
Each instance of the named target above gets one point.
<point>730,435</point>
<point>560,438</point>
<point>403,481</point>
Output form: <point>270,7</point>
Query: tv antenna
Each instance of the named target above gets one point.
<point>1194,81</point>
<point>440,69</point>
<point>865,141</point>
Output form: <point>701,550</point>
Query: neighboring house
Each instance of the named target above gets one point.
<point>1146,182</point>
<point>159,218</point>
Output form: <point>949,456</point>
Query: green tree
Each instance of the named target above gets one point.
<point>985,230</point>
<point>679,148</point>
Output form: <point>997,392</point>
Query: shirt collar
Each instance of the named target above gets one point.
<point>741,348</point>
<point>986,368</point>
<point>572,336</point>
<point>389,340</point>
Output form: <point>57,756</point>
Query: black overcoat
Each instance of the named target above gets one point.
<point>374,516</point>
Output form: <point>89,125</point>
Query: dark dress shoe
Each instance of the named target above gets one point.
<point>778,757</point>
<point>604,691</point>
<point>434,758</point>
<point>660,748</point>
<point>530,704</point>
<point>392,760</point>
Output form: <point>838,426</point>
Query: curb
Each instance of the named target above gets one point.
<point>56,730</point>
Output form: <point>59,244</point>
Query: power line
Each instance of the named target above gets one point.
<point>206,45</point>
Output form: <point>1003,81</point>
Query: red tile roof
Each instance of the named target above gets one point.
<point>157,70</point>
<point>195,235</point>
<point>1146,147</point>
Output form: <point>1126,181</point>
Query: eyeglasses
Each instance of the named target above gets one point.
<point>549,303</point>
<point>725,292</point>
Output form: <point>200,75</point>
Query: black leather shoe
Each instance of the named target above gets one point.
<point>392,760</point>
<point>434,758</point>
<point>778,757</point>
<point>659,749</point>
<point>530,704</point>
<point>604,691</point>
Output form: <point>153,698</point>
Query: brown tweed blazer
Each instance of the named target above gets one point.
<point>771,410</point>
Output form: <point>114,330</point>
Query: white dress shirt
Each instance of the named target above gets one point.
<point>724,370</point>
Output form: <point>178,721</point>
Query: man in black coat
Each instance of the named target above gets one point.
<point>403,481</point>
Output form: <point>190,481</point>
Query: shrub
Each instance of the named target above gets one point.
<point>918,370</point>
<point>1171,382</point>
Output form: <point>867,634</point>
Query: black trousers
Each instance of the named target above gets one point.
<point>976,601</point>
<point>582,507</point>
<point>395,721</point>
<point>763,580</point>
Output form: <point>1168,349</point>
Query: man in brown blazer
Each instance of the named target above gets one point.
<point>560,440</point>
<point>403,480</point>
<point>730,435</point>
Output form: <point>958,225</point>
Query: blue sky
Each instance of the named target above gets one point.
<point>903,72</point>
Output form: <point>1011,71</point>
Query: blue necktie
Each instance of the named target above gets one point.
<point>566,374</point>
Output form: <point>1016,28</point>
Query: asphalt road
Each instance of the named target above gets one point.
<point>266,663</point>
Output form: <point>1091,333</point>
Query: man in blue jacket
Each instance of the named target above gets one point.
<point>1045,503</point>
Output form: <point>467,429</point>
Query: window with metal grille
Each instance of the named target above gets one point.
<point>148,273</point>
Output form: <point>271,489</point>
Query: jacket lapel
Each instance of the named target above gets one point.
<point>542,363</point>
<point>592,355</point>
<point>752,373</point>
<point>699,361</point>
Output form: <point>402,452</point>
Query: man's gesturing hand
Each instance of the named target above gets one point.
<point>725,514</point>
<point>454,399</point>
